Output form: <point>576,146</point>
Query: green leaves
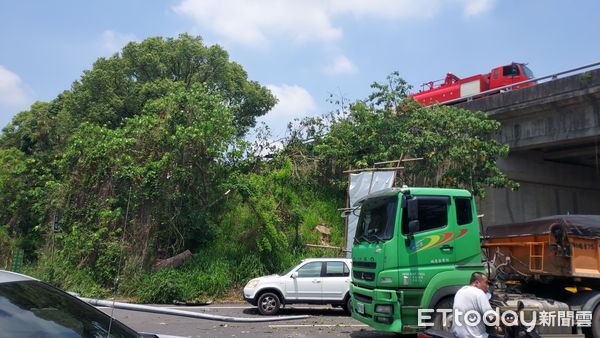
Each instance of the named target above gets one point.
<point>149,127</point>
<point>457,145</point>
<point>168,156</point>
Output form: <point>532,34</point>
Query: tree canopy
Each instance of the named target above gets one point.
<point>141,140</point>
<point>456,145</point>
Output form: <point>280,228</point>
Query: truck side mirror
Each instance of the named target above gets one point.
<point>515,69</point>
<point>412,213</point>
<point>413,226</point>
<point>412,207</point>
<point>350,211</point>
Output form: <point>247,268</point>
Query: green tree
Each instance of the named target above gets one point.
<point>162,168</point>
<point>118,87</point>
<point>24,186</point>
<point>141,143</point>
<point>456,145</point>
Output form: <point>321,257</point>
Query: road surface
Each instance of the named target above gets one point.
<point>324,322</point>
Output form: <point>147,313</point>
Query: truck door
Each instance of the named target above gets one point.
<point>466,231</point>
<point>430,249</point>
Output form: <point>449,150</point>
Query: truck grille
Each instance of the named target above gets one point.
<point>368,276</point>
<point>366,265</point>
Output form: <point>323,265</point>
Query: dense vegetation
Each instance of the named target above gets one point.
<point>147,155</point>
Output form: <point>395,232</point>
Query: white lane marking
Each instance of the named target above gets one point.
<point>315,325</point>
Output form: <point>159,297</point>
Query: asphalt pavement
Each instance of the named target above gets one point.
<point>325,321</point>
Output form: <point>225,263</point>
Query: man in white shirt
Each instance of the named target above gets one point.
<point>470,306</point>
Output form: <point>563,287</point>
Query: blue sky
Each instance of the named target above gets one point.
<point>303,50</point>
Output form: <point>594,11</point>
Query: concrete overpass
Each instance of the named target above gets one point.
<point>553,130</point>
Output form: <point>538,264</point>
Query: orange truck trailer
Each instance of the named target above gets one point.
<point>563,250</point>
<point>550,263</point>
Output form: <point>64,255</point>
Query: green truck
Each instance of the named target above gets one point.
<point>414,248</point>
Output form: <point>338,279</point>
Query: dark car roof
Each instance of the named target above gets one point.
<point>7,277</point>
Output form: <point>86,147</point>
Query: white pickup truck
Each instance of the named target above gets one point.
<point>313,281</point>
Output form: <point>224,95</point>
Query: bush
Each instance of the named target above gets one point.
<point>161,287</point>
<point>58,272</point>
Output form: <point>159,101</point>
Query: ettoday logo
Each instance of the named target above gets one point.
<point>496,318</point>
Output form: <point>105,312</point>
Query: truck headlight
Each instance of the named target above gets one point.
<point>384,308</point>
<point>253,283</point>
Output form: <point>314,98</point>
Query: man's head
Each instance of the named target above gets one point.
<point>480,281</point>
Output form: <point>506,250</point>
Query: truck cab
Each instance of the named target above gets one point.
<point>509,74</point>
<point>413,248</point>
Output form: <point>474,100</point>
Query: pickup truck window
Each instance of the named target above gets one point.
<point>336,269</point>
<point>312,269</point>
<point>464,214</point>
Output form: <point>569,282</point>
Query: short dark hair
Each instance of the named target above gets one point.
<point>476,276</point>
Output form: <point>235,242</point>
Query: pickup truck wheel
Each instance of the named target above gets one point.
<point>348,305</point>
<point>268,304</point>
<point>438,319</point>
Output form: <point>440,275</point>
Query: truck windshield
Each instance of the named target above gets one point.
<point>527,71</point>
<point>376,221</point>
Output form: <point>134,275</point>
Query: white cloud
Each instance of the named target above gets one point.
<point>254,23</point>
<point>293,101</point>
<point>251,22</point>
<point>341,65</point>
<point>397,9</point>
<point>13,92</point>
<point>476,7</point>
<point>112,41</point>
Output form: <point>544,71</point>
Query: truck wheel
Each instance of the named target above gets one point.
<point>268,304</point>
<point>438,319</point>
<point>594,331</point>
